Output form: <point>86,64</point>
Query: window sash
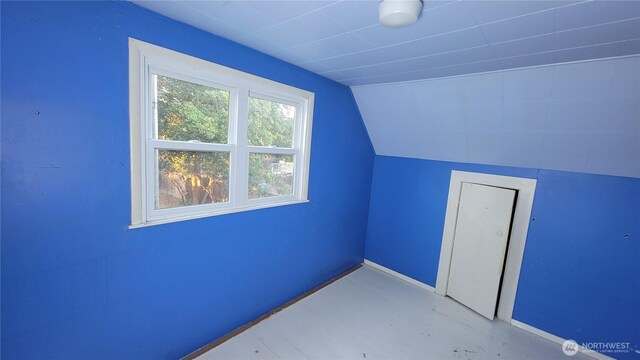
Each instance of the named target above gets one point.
<point>238,184</point>
<point>272,150</point>
<point>152,173</point>
<point>190,146</point>
<point>151,95</point>
<point>275,198</point>
<point>147,60</point>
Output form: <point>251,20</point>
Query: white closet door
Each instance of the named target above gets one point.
<point>479,246</point>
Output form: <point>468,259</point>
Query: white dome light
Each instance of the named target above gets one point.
<point>399,13</point>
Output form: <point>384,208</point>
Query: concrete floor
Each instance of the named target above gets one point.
<point>370,314</point>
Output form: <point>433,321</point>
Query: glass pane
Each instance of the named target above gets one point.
<point>188,111</point>
<point>270,123</point>
<point>270,175</point>
<point>191,178</point>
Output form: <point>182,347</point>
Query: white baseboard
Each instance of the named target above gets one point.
<point>557,339</point>
<point>399,276</point>
<point>516,323</point>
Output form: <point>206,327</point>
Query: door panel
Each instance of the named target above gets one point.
<point>479,246</point>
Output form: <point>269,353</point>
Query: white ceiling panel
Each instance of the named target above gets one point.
<point>603,165</point>
<point>524,116</point>
<point>247,17</point>
<point>429,46</point>
<point>612,49</point>
<point>622,116</point>
<point>282,10</point>
<point>418,63</point>
<point>598,34</point>
<point>615,49</point>
<point>574,115</point>
<point>481,89</point>
<point>519,47</point>
<point>184,12</point>
<point>310,50</point>
<point>522,145</point>
<point>582,81</point>
<point>204,6</point>
<point>573,164</point>
<point>533,85</point>
<point>320,66</point>
<point>489,11</point>
<point>343,13</point>
<point>335,38</point>
<point>611,144</point>
<point>569,39</point>
<point>264,45</point>
<point>534,24</point>
<point>595,12</point>
<point>328,48</point>
<point>438,72</point>
<point>440,20</point>
<point>573,144</point>
<point>288,34</point>
<point>470,55</point>
<point>625,77</point>
<point>447,143</point>
<point>570,117</point>
<point>479,117</point>
<point>484,146</point>
<point>464,82</point>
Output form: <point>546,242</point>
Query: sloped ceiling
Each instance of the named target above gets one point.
<point>518,110</point>
<point>342,40</point>
<point>581,117</point>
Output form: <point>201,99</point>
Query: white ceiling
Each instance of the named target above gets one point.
<point>419,90</point>
<point>342,40</point>
<point>580,117</point>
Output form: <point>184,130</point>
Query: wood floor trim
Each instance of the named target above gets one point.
<point>558,340</point>
<point>266,315</point>
<point>399,276</point>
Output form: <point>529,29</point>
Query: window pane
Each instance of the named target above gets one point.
<point>270,175</point>
<point>270,123</point>
<point>188,111</point>
<point>191,178</point>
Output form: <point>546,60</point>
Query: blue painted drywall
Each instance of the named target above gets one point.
<point>580,276</point>
<point>76,283</point>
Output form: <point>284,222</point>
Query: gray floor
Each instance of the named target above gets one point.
<point>372,315</point>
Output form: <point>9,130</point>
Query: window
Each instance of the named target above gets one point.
<point>209,140</point>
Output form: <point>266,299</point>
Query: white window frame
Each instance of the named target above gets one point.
<point>145,60</point>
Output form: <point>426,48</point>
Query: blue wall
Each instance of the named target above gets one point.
<point>580,276</point>
<point>76,283</point>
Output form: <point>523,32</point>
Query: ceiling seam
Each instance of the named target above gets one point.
<point>212,17</point>
<point>592,149</point>
<point>501,58</point>
<point>497,71</point>
<point>354,31</point>
<point>292,19</point>
<point>484,36</point>
<point>446,33</point>
<point>480,46</point>
<point>489,44</point>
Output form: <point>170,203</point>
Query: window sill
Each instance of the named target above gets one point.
<point>216,213</point>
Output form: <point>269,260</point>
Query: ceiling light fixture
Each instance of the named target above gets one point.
<point>399,13</point>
